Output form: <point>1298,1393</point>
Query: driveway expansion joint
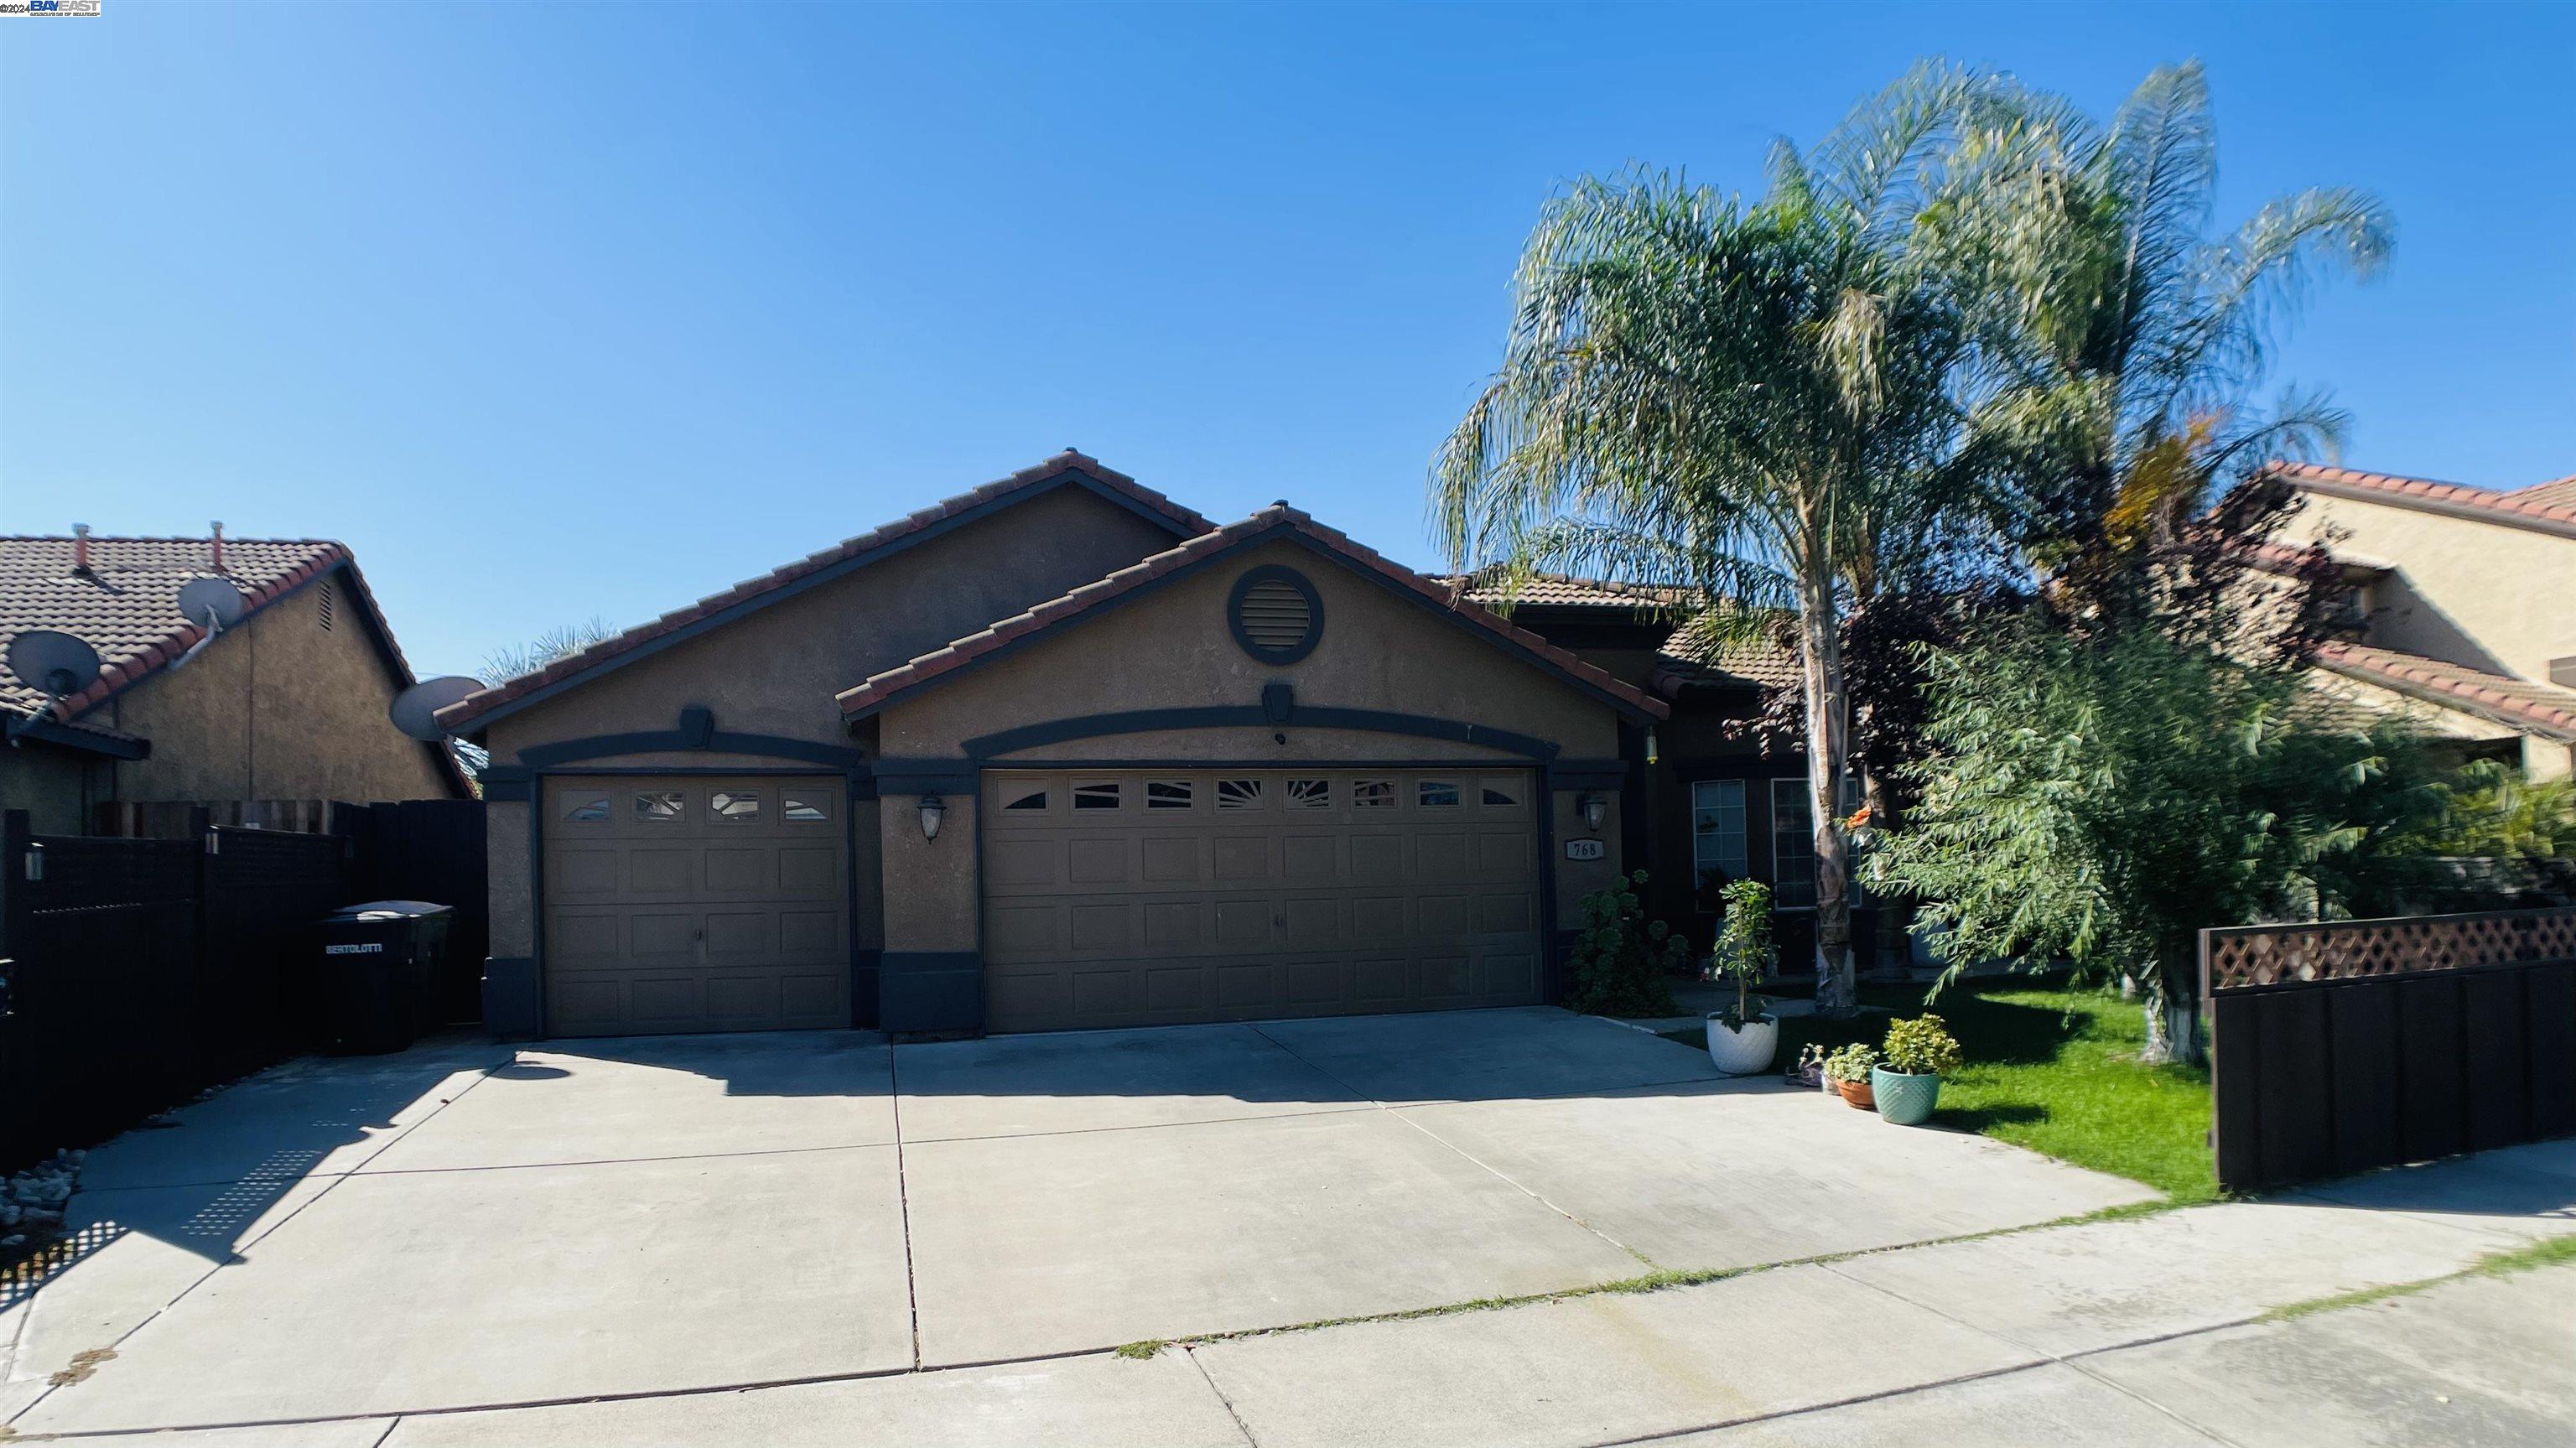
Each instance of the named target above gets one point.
<point>234,1256</point>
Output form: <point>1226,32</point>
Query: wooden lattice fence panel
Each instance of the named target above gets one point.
<point>2356,1044</point>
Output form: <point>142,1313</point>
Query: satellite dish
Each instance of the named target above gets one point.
<point>415,710</point>
<point>54,662</point>
<point>211,597</point>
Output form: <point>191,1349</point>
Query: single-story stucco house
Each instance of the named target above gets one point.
<point>287,703</point>
<point>1056,753</point>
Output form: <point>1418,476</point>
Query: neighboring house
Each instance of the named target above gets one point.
<point>287,704</point>
<point>2460,609</point>
<point>1705,803</point>
<point>1055,753</point>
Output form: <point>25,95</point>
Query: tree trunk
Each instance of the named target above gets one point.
<point>2173,1025</point>
<point>1821,661</point>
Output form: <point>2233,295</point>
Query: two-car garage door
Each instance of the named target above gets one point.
<point>1152,897</point>
<point>695,903</point>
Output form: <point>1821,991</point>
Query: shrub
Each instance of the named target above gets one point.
<point>1921,1047</point>
<point>1851,1063</point>
<point>1744,951</point>
<point>1621,962</point>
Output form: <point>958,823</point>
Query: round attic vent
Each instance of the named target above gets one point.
<point>1275,614</point>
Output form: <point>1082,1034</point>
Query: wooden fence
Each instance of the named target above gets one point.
<point>177,819</point>
<point>2340,1047</point>
<point>134,973</point>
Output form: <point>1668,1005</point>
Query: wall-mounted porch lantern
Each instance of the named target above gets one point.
<point>932,811</point>
<point>1595,807</point>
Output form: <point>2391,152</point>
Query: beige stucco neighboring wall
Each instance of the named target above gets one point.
<point>1172,648</point>
<point>278,707</point>
<point>2489,595</point>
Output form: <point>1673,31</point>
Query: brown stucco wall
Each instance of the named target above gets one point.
<point>277,708</point>
<point>775,671</point>
<point>1172,649</point>
<point>56,787</point>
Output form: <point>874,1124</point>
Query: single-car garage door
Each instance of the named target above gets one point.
<point>691,903</point>
<point>1115,898</point>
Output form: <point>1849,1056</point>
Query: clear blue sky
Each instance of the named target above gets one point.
<point>561,310</point>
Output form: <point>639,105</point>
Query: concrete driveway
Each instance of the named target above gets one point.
<point>471,1227</point>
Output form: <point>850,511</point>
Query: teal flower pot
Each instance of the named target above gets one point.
<point>1903,1099</point>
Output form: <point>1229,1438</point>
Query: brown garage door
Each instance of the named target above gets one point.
<point>1153,897</point>
<point>691,903</point>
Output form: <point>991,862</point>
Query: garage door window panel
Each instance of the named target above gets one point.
<point>660,807</point>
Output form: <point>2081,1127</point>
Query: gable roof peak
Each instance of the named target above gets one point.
<point>878,690</point>
<point>475,709</point>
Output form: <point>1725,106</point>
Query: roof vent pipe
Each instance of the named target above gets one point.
<point>80,548</point>
<point>219,545</point>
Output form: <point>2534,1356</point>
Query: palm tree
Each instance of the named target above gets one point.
<point>1740,400</point>
<point>2121,341</point>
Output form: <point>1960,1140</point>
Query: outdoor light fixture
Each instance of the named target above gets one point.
<point>1594,806</point>
<point>1653,756</point>
<point>931,811</point>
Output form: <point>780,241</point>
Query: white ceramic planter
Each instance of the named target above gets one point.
<point>1742,1052</point>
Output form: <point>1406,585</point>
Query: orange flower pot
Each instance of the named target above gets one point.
<point>1856,1094</point>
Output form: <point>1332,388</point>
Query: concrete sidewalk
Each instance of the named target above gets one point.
<point>2141,1331</point>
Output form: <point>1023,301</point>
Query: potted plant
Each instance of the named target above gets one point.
<point>1919,1053</point>
<point>1743,1038</point>
<point>1810,1070</point>
<point>1848,1069</point>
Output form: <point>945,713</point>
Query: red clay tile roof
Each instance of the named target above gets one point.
<point>1758,664</point>
<point>2560,493</point>
<point>1558,590</point>
<point>882,688</point>
<point>2547,507</point>
<point>2519,704</point>
<point>460,715</point>
<point>127,606</point>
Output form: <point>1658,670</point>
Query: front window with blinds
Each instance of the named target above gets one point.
<point>1719,852</point>
<point>1793,845</point>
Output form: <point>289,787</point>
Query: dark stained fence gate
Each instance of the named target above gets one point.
<point>2340,1047</point>
<point>432,849</point>
<point>135,973</point>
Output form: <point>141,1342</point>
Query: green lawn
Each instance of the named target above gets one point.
<point>2053,1069</point>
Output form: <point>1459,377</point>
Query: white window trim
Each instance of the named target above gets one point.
<point>1743,808</point>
